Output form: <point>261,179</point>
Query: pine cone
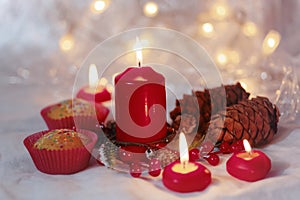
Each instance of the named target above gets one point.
<point>205,104</point>
<point>255,120</point>
<point>109,130</point>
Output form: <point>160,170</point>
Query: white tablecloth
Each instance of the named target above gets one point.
<point>21,180</point>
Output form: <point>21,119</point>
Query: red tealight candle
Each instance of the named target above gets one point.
<point>140,106</point>
<point>185,176</point>
<point>94,92</point>
<point>249,165</point>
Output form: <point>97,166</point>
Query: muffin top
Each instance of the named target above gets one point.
<point>59,139</point>
<point>69,108</point>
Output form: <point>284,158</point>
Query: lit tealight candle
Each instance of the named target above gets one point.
<point>249,165</point>
<point>185,176</point>
<point>96,90</point>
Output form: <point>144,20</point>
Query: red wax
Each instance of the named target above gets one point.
<point>195,180</point>
<point>249,167</point>
<point>140,107</point>
<point>97,95</point>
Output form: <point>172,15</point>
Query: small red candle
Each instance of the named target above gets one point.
<point>185,176</point>
<point>140,106</point>
<point>94,92</point>
<point>249,165</point>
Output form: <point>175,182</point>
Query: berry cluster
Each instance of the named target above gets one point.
<point>206,151</point>
<point>137,164</point>
<point>153,165</point>
<point>154,168</point>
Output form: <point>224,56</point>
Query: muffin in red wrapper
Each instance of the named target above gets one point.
<point>61,151</point>
<point>74,113</point>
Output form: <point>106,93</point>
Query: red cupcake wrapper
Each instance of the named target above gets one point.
<point>79,122</point>
<point>98,97</point>
<point>60,161</point>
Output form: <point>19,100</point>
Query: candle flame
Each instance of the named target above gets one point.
<point>138,50</point>
<point>247,146</point>
<point>183,150</point>
<point>93,76</point>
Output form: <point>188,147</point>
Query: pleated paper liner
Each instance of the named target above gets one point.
<point>78,121</point>
<point>60,161</point>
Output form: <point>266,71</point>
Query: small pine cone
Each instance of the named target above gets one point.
<point>188,123</point>
<point>235,93</point>
<point>212,100</point>
<point>255,120</point>
<point>110,130</point>
<point>205,104</point>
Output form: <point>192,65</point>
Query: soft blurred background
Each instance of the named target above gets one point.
<point>43,44</point>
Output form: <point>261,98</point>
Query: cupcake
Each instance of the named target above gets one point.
<point>61,151</point>
<point>74,113</point>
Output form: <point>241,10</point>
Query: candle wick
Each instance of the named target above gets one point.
<point>139,64</point>
<point>184,164</point>
<point>250,153</point>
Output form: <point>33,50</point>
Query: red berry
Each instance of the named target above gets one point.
<point>135,170</point>
<point>206,147</point>
<point>154,167</point>
<point>237,146</point>
<point>213,159</point>
<point>155,173</point>
<point>126,156</point>
<point>194,154</point>
<point>225,147</point>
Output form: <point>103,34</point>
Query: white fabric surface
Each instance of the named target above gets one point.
<point>36,50</point>
<point>21,180</point>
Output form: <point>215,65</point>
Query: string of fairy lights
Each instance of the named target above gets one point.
<point>236,35</point>
<point>236,43</point>
<point>232,33</point>
<point>209,29</point>
<point>97,7</point>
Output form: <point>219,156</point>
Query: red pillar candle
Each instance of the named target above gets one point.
<point>94,92</point>
<point>185,176</point>
<point>140,107</point>
<point>249,165</point>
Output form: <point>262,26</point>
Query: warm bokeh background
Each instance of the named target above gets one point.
<point>43,43</point>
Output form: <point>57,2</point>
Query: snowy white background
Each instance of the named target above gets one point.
<point>36,72</point>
